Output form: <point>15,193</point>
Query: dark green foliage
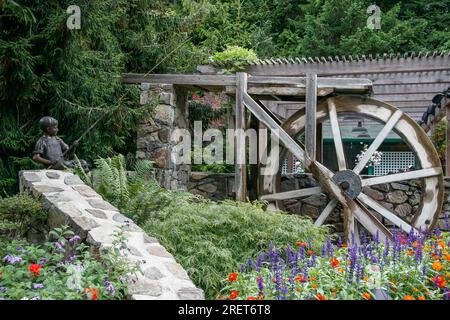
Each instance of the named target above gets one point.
<point>20,213</point>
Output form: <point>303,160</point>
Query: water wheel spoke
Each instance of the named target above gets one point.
<point>342,164</point>
<point>417,174</point>
<point>292,194</point>
<point>392,217</point>
<point>368,220</point>
<point>326,212</point>
<point>378,141</point>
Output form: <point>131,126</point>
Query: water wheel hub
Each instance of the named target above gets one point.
<point>349,182</point>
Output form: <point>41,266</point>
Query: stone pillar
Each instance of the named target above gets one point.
<point>154,135</point>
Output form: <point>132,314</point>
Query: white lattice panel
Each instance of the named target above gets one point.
<point>394,162</point>
<point>284,167</point>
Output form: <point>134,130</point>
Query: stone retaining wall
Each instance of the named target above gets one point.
<point>403,198</point>
<point>69,201</point>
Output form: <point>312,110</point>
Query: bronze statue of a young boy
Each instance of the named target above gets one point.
<point>49,149</point>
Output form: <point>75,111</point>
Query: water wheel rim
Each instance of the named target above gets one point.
<point>411,133</point>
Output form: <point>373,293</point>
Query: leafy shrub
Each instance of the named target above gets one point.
<point>62,269</point>
<point>20,213</point>
<point>234,58</point>
<point>410,268</point>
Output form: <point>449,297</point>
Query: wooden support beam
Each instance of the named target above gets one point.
<point>311,106</point>
<point>447,139</point>
<point>240,167</point>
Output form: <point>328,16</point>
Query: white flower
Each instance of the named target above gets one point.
<point>374,160</point>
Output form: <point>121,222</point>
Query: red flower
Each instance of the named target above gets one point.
<point>251,298</point>
<point>440,281</point>
<point>301,244</point>
<point>320,297</point>
<point>300,278</point>
<point>233,294</point>
<point>310,252</point>
<point>334,263</point>
<point>35,269</point>
<point>232,277</point>
<point>93,292</point>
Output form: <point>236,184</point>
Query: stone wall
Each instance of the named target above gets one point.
<point>403,198</point>
<point>154,134</point>
<point>215,186</point>
<point>69,201</point>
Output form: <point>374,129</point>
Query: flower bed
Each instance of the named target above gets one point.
<point>62,269</point>
<point>410,268</point>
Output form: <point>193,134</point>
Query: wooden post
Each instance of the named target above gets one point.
<point>240,176</point>
<point>311,105</point>
<point>319,138</point>
<point>447,139</point>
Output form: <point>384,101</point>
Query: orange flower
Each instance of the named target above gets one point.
<point>366,295</point>
<point>409,252</point>
<point>301,244</point>
<point>251,298</point>
<point>366,278</point>
<point>300,279</point>
<point>341,270</point>
<point>415,290</point>
<point>442,244</point>
<point>415,244</point>
<point>421,298</point>
<point>232,277</point>
<point>310,252</point>
<point>299,289</point>
<point>312,278</point>
<point>435,256</point>
<point>344,245</point>
<point>314,286</point>
<point>408,297</point>
<point>320,297</point>
<point>334,262</point>
<point>233,294</point>
<point>447,257</point>
<point>437,266</point>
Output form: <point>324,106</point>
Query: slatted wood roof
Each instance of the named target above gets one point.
<point>409,81</point>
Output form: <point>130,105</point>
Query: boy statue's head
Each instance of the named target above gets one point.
<point>49,125</point>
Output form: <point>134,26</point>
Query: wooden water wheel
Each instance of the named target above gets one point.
<point>346,185</point>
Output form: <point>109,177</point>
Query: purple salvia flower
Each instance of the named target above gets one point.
<point>259,262</point>
<point>38,286</point>
<point>260,282</point>
<point>43,261</point>
<point>250,265</point>
<point>242,267</point>
<point>2,289</point>
<point>20,249</point>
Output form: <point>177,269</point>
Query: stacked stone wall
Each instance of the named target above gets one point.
<point>69,201</point>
